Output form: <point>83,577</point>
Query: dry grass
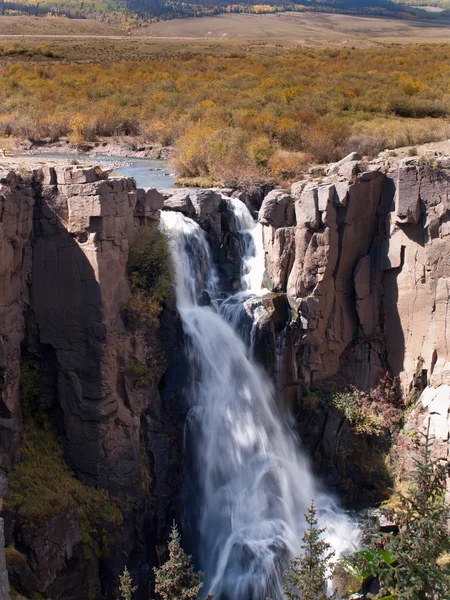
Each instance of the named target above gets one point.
<point>85,40</point>
<point>24,25</point>
<point>314,29</point>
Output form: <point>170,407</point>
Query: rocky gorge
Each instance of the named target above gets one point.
<point>356,271</point>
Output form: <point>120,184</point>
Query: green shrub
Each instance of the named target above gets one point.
<point>14,49</point>
<point>150,273</point>
<point>47,51</point>
<point>126,585</point>
<point>176,578</point>
<point>42,485</point>
<point>378,411</point>
<point>414,564</point>
<point>139,372</point>
<point>363,419</point>
<point>306,578</point>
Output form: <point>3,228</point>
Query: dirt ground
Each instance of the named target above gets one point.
<point>82,40</point>
<point>305,28</point>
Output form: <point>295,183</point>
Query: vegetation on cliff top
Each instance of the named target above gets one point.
<point>302,106</point>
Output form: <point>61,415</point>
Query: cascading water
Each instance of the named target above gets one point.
<point>253,486</point>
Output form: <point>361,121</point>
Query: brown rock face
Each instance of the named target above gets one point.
<point>366,272</point>
<point>366,269</point>
<point>85,225</point>
<point>16,218</point>
<point>64,244</point>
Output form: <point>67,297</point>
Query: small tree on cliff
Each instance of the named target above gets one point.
<point>308,572</point>
<point>420,571</point>
<point>126,585</point>
<point>176,579</point>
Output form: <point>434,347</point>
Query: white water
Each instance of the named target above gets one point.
<point>253,261</point>
<point>253,485</point>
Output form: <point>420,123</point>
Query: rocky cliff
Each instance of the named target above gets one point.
<point>361,256</point>
<point>91,409</point>
<point>65,236</point>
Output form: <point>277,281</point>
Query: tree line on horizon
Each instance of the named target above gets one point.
<point>148,10</point>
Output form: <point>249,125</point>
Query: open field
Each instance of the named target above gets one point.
<point>273,95</point>
<point>306,28</point>
<point>86,40</point>
<point>77,40</point>
<point>24,25</point>
<point>251,112</point>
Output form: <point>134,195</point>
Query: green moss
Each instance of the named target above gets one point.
<point>42,485</point>
<point>412,435</point>
<point>144,465</point>
<point>311,401</point>
<point>30,386</point>
<point>140,373</point>
<point>14,557</point>
<point>14,595</point>
<point>150,273</point>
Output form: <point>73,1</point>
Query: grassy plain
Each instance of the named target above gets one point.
<point>311,29</point>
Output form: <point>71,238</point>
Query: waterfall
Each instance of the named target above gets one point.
<point>252,484</point>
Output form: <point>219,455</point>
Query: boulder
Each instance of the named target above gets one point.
<point>306,207</point>
<point>180,201</point>
<point>343,165</point>
<point>297,189</point>
<point>205,203</point>
<point>149,202</point>
<point>277,210</point>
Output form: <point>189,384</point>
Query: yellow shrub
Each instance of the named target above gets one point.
<point>260,150</point>
<point>78,127</point>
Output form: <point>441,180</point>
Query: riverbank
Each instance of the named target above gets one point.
<point>127,147</point>
<point>147,172</point>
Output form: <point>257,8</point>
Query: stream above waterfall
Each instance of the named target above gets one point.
<point>247,485</point>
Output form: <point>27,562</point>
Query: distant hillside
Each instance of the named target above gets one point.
<point>131,12</point>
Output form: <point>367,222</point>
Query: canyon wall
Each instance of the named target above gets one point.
<point>65,235</point>
<point>362,258</point>
<point>357,263</point>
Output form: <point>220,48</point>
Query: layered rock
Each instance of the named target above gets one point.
<point>63,286</point>
<point>16,218</point>
<point>85,225</point>
<point>365,269</point>
<point>366,257</point>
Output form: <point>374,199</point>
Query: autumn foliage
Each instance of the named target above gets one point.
<point>243,116</point>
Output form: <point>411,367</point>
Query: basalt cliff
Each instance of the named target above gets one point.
<point>357,264</point>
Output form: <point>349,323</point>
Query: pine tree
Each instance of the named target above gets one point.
<point>176,579</point>
<point>308,572</point>
<point>126,585</point>
<point>423,539</point>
